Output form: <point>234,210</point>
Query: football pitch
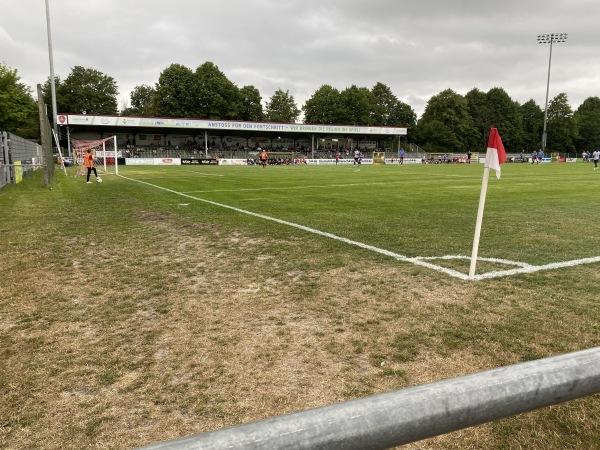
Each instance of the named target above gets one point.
<point>538,217</point>
<point>169,301</point>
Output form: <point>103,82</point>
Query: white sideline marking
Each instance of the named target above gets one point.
<point>204,174</point>
<point>418,260</point>
<point>298,188</point>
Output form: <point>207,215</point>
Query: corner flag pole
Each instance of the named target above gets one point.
<point>484,183</point>
<point>495,156</point>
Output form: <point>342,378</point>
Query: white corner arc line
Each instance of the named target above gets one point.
<point>420,260</point>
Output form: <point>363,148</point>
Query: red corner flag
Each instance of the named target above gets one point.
<point>495,152</point>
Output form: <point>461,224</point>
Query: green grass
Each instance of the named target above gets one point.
<point>131,314</point>
<point>536,214</point>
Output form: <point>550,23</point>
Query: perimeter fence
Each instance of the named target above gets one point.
<point>19,157</point>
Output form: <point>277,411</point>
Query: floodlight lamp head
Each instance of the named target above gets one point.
<point>551,38</point>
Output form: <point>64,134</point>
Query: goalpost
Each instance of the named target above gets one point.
<point>104,150</point>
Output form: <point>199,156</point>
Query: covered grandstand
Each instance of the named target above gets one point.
<point>156,136</point>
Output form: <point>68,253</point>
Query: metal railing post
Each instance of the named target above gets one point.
<point>396,418</point>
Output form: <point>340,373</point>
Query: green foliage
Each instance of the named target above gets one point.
<point>174,89</point>
<point>481,113</point>
<point>87,91</point>
<point>506,116</point>
<point>142,101</point>
<point>214,96</point>
<point>561,128</point>
<point>251,106</point>
<point>282,108</point>
<point>358,106</point>
<point>323,107</point>
<point>587,117</point>
<point>205,93</point>
<point>18,111</point>
<point>446,123</point>
<point>496,109</point>
<point>533,125</point>
<point>389,111</point>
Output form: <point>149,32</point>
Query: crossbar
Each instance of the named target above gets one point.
<point>386,420</point>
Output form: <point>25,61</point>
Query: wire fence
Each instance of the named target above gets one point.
<point>19,157</point>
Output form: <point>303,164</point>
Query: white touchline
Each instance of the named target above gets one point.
<point>418,260</point>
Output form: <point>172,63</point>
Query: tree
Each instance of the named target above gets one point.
<point>87,91</point>
<point>251,106</point>
<point>323,107</point>
<point>481,113</point>
<point>215,96</point>
<point>358,106</point>
<point>142,101</point>
<point>389,111</point>
<point>174,92</point>
<point>561,127</point>
<point>533,125</point>
<point>446,124</point>
<point>507,118</point>
<point>588,121</point>
<point>18,110</point>
<point>282,108</point>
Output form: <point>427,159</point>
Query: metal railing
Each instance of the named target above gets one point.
<point>400,417</point>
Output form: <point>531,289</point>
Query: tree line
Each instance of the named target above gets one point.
<point>450,122</point>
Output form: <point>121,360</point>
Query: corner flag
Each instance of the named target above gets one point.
<point>495,152</point>
<point>494,157</point>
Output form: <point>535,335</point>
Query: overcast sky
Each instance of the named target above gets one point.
<point>417,48</point>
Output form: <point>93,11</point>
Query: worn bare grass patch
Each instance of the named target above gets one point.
<point>186,327</point>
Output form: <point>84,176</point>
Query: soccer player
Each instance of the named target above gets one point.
<point>401,156</point>
<point>533,157</point>
<point>263,159</point>
<point>356,157</point>
<point>596,157</point>
<point>90,163</point>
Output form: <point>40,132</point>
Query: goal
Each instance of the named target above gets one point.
<point>280,158</point>
<point>104,150</point>
<point>378,157</point>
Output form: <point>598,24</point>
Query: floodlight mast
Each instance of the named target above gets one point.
<point>52,84</point>
<point>549,39</point>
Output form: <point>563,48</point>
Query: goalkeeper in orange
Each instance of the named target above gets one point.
<point>90,163</point>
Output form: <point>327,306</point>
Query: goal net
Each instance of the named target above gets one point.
<point>105,153</point>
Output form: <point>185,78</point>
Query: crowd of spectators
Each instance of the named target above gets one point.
<point>191,149</point>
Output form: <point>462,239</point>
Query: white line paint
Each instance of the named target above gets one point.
<point>278,188</point>
<point>203,173</point>
<point>419,260</point>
